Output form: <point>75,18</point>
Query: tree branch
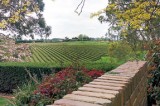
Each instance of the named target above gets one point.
<point>82,6</point>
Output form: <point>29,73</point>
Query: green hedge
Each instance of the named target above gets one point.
<point>12,75</point>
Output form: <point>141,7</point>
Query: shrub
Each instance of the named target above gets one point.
<point>123,51</point>
<point>12,75</point>
<point>55,86</point>
<point>22,94</point>
<point>119,49</point>
<point>95,73</point>
<point>153,57</point>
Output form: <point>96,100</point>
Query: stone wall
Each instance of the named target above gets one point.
<point>123,86</point>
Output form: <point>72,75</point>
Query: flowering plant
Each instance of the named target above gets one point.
<point>57,85</point>
<point>11,52</point>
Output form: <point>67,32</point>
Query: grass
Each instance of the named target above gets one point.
<point>3,101</point>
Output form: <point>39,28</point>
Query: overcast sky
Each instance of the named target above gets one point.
<point>65,22</point>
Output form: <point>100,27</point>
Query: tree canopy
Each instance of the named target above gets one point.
<point>137,18</point>
<point>23,17</point>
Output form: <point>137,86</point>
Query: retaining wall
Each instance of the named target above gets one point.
<point>123,86</point>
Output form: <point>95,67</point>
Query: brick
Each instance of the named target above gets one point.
<point>133,96</point>
<point>116,76</point>
<point>144,101</point>
<point>126,92</point>
<point>117,101</point>
<point>135,102</point>
<point>128,103</point>
<point>107,84</point>
<point>90,89</point>
<point>141,95</point>
<point>93,100</point>
<point>67,102</point>
<point>115,79</point>
<point>127,75</point>
<point>94,94</point>
<point>110,81</point>
<point>104,87</point>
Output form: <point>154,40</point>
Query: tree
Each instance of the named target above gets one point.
<point>22,17</point>
<point>136,19</point>
<point>66,39</point>
<point>83,37</point>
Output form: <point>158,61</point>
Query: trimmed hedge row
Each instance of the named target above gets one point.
<point>13,76</point>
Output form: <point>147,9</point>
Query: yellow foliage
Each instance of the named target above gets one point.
<point>5,2</point>
<point>3,24</point>
<point>135,15</point>
<point>97,13</point>
<point>15,15</point>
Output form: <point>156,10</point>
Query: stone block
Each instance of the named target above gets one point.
<point>110,81</point>
<point>107,84</point>
<point>90,89</point>
<point>104,87</point>
<point>67,102</point>
<point>94,94</point>
<point>93,100</point>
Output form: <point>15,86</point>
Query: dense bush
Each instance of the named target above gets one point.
<point>12,75</point>
<point>105,63</point>
<point>123,51</point>
<point>55,86</point>
<point>153,89</point>
<point>29,41</point>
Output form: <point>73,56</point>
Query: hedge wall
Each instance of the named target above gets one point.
<point>12,76</point>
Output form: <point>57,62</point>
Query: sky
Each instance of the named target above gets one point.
<point>60,15</point>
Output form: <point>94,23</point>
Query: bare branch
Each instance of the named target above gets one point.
<point>82,3</point>
<point>32,76</point>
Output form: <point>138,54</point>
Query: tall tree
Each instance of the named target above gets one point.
<point>137,19</point>
<point>22,17</point>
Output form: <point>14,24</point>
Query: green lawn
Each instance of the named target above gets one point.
<point>3,101</point>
